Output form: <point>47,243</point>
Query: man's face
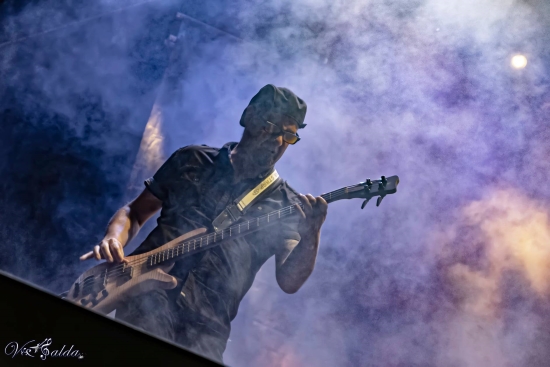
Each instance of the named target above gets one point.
<point>268,148</point>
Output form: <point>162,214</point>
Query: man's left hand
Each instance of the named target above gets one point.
<point>313,215</point>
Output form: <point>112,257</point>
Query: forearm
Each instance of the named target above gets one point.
<point>299,264</point>
<point>122,226</point>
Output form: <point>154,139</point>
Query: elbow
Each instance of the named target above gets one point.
<point>288,285</point>
<point>289,289</point>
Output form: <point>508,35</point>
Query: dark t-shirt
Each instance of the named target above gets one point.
<point>195,185</point>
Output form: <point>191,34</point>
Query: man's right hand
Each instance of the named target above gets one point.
<point>109,249</point>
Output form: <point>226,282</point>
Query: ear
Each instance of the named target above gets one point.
<point>249,115</point>
<point>251,119</point>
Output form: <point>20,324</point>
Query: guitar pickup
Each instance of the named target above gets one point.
<point>76,291</point>
<point>127,270</point>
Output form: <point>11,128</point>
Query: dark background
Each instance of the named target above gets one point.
<point>49,157</point>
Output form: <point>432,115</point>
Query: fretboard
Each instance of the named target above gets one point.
<point>213,239</point>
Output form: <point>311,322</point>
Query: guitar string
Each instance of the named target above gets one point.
<point>188,246</point>
<point>119,270</point>
<point>235,227</point>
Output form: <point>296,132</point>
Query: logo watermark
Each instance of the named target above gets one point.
<point>42,349</point>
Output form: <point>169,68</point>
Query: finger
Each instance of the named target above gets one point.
<point>97,254</point>
<point>87,256</point>
<point>307,204</point>
<point>322,204</point>
<point>105,251</point>
<point>308,209</point>
<point>299,210</point>
<point>311,199</point>
<point>116,250</point>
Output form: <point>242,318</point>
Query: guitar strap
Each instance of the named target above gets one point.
<point>234,211</point>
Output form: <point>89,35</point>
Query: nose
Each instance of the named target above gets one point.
<point>279,140</point>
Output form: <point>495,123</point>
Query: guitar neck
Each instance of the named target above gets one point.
<point>207,241</point>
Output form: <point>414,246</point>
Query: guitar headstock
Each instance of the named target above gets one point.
<point>371,188</point>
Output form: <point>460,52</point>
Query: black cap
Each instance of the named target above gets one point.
<point>279,100</point>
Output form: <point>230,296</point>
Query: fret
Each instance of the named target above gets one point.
<point>242,228</point>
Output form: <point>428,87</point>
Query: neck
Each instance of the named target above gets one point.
<point>244,165</point>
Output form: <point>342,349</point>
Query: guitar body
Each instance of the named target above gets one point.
<point>105,286</point>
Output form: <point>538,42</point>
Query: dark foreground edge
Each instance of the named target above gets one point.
<point>31,315</point>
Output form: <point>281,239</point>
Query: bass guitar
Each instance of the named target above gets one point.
<point>103,287</point>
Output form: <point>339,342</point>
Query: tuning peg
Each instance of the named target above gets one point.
<point>365,203</point>
<point>379,200</point>
<point>368,181</point>
<point>384,181</point>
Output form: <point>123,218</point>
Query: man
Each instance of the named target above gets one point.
<point>192,188</point>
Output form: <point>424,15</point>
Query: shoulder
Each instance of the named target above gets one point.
<point>193,149</point>
<point>195,154</point>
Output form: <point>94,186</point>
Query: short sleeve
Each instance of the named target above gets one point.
<point>289,226</point>
<point>168,174</point>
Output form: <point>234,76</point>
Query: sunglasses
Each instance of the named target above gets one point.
<point>288,137</point>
